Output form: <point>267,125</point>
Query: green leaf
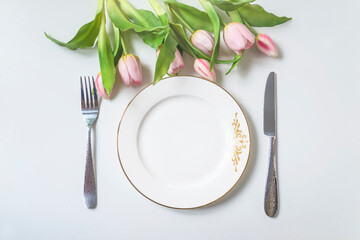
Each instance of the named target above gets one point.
<point>195,18</point>
<point>119,19</point>
<point>140,17</point>
<point>165,58</point>
<point>237,58</point>
<point>154,38</point>
<point>147,19</point>
<point>85,37</point>
<point>106,58</point>
<point>122,22</point>
<point>160,12</point>
<point>230,5</point>
<point>117,52</point>
<point>152,34</point>
<point>209,8</point>
<point>256,16</point>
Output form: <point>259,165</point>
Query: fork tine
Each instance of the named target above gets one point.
<point>95,95</point>
<point>87,94</point>
<point>82,94</point>
<point>90,93</point>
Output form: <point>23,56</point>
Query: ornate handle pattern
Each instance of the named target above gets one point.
<point>89,180</point>
<point>271,192</point>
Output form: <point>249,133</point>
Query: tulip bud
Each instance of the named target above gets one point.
<point>266,45</point>
<point>176,65</point>
<point>204,41</point>
<point>202,67</point>
<point>130,70</point>
<point>100,87</point>
<point>238,37</point>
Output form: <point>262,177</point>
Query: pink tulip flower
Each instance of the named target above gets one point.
<point>176,65</point>
<point>100,87</point>
<point>204,41</point>
<point>238,37</point>
<point>266,45</point>
<point>202,67</point>
<point>130,70</point>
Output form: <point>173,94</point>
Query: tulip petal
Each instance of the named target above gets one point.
<point>176,65</point>
<point>247,35</point>
<point>100,87</point>
<point>124,72</point>
<point>204,41</point>
<point>235,42</point>
<point>134,70</point>
<point>202,67</point>
<point>137,77</point>
<point>266,45</point>
<point>173,70</point>
<point>233,37</point>
<point>238,37</point>
<point>239,52</point>
<point>179,60</point>
<point>139,81</point>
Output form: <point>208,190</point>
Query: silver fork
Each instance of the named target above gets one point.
<point>90,111</point>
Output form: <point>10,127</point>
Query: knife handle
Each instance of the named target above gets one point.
<point>271,192</point>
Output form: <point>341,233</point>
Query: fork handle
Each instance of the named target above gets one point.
<point>271,192</point>
<point>89,180</point>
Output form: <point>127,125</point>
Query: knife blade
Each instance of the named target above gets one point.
<point>270,106</point>
<point>271,191</point>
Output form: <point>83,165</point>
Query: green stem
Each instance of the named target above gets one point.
<point>183,21</point>
<point>235,16</point>
<point>168,10</point>
<point>116,38</point>
<point>248,26</point>
<point>224,61</point>
<point>223,22</point>
<point>122,42</point>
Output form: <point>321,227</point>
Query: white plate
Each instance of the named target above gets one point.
<point>183,143</point>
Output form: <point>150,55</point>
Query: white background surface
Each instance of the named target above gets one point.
<point>42,133</point>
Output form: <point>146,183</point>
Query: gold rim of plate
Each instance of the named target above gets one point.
<point>207,204</point>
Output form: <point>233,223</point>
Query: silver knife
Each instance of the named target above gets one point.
<point>271,192</point>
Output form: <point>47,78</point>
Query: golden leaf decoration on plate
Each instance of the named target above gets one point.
<point>240,140</point>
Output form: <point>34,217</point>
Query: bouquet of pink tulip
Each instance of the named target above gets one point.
<point>167,33</point>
